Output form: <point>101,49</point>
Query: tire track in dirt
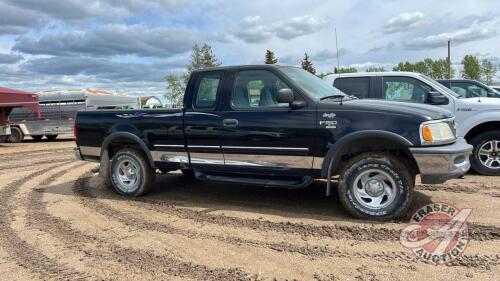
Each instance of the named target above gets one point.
<point>25,163</point>
<point>42,152</point>
<point>24,254</point>
<point>456,188</point>
<point>310,251</point>
<point>168,264</point>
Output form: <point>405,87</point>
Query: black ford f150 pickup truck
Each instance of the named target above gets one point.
<point>278,126</point>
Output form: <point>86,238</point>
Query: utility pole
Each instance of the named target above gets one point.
<point>337,47</point>
<point>449,59</point>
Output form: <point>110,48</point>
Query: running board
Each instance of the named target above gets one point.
<point>268,181</point>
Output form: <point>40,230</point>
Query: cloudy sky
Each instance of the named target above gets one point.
<point>130,45</point>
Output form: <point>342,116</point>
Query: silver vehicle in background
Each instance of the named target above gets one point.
<point>58,109</point>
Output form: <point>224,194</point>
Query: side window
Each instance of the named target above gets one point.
<point>468,90</point>
<point>257,89</point>
<point>405,89</point>
<point>206,94</point>
<point>358,87</point>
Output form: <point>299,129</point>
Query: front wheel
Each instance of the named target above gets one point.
<point>375,186</point>
<point>16,135</point>
<point>130,173</point>
<point>485,158</point>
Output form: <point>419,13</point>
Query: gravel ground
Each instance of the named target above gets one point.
<point>58,222</point>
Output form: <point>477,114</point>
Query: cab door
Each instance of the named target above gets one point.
<point>261,135</point>
<point>203,121</point>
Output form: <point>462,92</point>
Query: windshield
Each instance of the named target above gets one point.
<point>311,84</point>
<point>439,86</point>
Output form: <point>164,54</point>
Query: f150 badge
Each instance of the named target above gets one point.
<point>329,124</point>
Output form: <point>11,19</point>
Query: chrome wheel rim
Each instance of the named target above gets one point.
<point>489,154</point>
<point>375,189</point>
<point>127,175</point>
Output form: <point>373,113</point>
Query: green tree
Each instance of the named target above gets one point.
<point>345,70</point>
<point>488,71</point>
<point>307,64</point>
<point>375,69</point>
<point>471,68</point>
<point>404,66</point>
<point>175,91</point>
<point>201,57</point>
<point>270,59</point>
<point>437,69</point>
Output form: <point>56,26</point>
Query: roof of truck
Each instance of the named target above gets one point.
<point>245,66</point>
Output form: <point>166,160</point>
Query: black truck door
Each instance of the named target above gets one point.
<point>261,134</point>
<point>202,120</point>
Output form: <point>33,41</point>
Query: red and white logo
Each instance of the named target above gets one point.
<point>438,233</point>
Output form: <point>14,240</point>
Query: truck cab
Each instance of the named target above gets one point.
<point>478,118</point>
<point>283,127</point>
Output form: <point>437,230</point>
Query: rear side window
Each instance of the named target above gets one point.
<point>358,87</point>
<point>206,94</point>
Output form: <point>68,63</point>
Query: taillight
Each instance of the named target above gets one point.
<point>75,131</point>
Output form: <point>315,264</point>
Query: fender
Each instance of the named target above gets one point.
<point>338,147</point>
<point>130,136</point>
<point>470,123</point>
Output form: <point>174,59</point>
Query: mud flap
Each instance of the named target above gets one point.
<point>104,173</point>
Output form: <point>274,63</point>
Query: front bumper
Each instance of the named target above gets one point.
<point>439,164</point>
<point>78,154</point>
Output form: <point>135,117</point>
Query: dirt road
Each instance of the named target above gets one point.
<point>58,222</point>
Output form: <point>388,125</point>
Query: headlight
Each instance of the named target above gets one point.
<point>437,132</point>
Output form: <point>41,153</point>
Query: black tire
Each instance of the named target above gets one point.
<point>37,137</point>
<point>397,175</point>
<point>476,163</point>
<point>16,135</point>
<point>51,137</point>
<point>146,174</point>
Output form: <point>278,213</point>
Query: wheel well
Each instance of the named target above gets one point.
<point>481,128</point>
<point>376,145</point>
<point>119,143</point>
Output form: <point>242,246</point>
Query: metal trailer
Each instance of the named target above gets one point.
<point>11,99</point>
<point>58,110</point>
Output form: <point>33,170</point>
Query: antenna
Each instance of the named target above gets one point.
<point>337,47</point>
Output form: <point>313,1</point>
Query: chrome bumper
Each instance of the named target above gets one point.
<point>78,154</point>
<point>439,164</point>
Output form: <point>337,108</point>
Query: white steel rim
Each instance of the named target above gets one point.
<point>489,154</point>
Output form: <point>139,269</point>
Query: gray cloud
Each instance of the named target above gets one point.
<point>404,22</point>
<point>78,10</point>
<point>253,31</point>
<point>10,58</point>
<point>328,55</point>
<point>101,69</point>
<point>460,36</point>
<point>108,40</point>
<point>15,20</point>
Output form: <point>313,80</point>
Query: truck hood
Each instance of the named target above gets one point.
<point>479,103</point>
<point>424,111</point>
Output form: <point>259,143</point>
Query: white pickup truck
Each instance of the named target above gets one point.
<point>478,119</point>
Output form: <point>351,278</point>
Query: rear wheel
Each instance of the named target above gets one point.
<point>37,137</point>
<point>51,137</point>
<point>130,173</point>
<point>485,158</point>
<point>16,135</point>
<point>375,186</point>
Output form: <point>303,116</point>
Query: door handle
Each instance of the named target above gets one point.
<point>229,122</point>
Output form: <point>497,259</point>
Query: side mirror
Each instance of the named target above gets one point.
<point>285,96</point>
<point>436,98</point>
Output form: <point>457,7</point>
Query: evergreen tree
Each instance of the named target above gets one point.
<point>307,64</point>
<point>471,68</point>
<point>270,59</point>
<point>375,69</point>
<point>345,70</point>
<point>201,57</point>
